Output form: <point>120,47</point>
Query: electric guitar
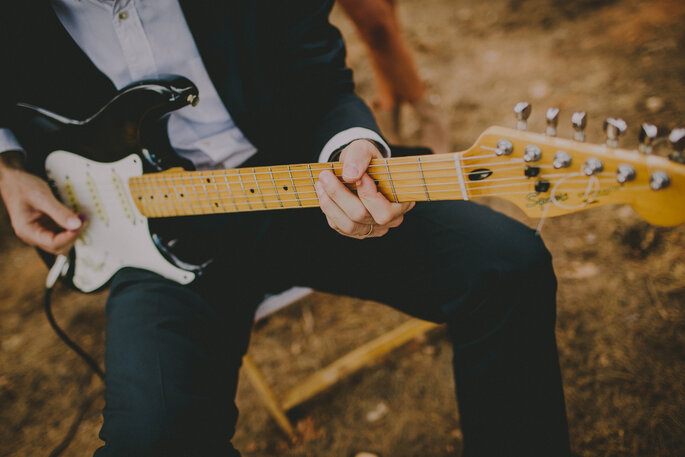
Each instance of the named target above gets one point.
<point>118,168</point>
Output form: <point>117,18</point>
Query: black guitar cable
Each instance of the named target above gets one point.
<point>58,267</point>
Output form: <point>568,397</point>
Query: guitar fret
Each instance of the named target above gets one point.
<point>311,177</point>
<point>181,194</point>
<point>423,179</point>
<point>460,175</point>
<point>242,186</point>
<point>297,196</point>
<point>230,191</point>
<point>209,199</point>
<point>196,203</point>
<point>218,194</point>
<point>150,201</point>
<point>259,190</point>
<point>392,185</point>
<point>165,195</point>
<point>271,173</point>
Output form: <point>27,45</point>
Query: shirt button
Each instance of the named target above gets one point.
<point>123,15</point>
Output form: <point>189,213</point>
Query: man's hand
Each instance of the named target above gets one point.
<point>38,218</point>
<point>366,214</point>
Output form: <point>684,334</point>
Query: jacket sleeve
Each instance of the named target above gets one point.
<point>318,85</point>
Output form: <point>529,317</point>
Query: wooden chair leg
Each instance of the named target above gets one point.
<point>267,396</point>
<point>353,361</point>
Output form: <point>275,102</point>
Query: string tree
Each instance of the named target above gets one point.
<point>613,129</point>
<point>579,122</point>
<point>552,119</point>
<point>677,140</point>
<point>522,112</point>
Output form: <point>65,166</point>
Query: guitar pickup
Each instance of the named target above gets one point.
<point>95,196</point>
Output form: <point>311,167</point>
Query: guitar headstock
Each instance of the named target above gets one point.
<point>548,176</point>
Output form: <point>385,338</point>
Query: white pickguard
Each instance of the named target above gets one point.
<point>116,234</point>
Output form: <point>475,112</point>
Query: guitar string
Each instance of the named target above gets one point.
<point>400,188</point>
<point>200,209</point>
<point>202,180</point>
<point>207,206</point>
<point>380,180</point>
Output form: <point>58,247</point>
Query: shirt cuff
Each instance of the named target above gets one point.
<point>8,142</point>
<point>342,139</point>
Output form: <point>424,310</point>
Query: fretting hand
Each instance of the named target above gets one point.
<point>366,214</point>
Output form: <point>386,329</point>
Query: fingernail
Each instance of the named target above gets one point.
<point>73,223</point>
<point>317,187</point>
<point>350,171</point>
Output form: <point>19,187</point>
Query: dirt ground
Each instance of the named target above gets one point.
<point>621,317</point>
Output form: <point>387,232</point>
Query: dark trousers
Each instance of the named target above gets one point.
<point>173,352</point>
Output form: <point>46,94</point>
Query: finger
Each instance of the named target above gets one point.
<point>356,158</point>
<point>55,243</point>
<point>383,211</point>
<point>344,198</point>
<point>337,218</point>
<point>63,216</point>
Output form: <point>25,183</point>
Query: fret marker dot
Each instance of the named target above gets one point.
<point>252,191</point>
<point>209,180</point>
<point>285,187</point>
<point>216,204</point>
<point>181,195</point>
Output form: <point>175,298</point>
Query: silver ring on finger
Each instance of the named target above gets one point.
<point>369,232</point>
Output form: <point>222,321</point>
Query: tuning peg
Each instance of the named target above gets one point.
<point>552,117</point>
<point>522,112</point>
<point>648,134</point>
<point>677,140</point>
<point>613,128</point>
<point>579,121</point>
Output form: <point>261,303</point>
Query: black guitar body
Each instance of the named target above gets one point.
<point>133,122</point>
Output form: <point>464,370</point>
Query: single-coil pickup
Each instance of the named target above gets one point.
<point>123,197</point>
<point>72,201</point>
<point>99,207</point>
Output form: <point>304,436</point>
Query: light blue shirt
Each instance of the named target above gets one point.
<point>130,40</point>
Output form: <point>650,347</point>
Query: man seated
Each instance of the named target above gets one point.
<point>275,89</point>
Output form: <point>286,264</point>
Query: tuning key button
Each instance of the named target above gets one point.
<point>625,173</point>
<point>659,180</point>
<point>552,118</point>
<point>677,140</point>
<point>522,113</point>
<point>562,159</point>
<point>579,121</point>
<point>648,134</point>
<point>592,166</point>
<point>613,128</point>
<point>504,148</point>
<point>532,153</point>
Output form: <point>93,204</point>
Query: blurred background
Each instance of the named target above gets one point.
<point>621,316</point>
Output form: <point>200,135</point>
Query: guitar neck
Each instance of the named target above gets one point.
<point>185,193</point>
